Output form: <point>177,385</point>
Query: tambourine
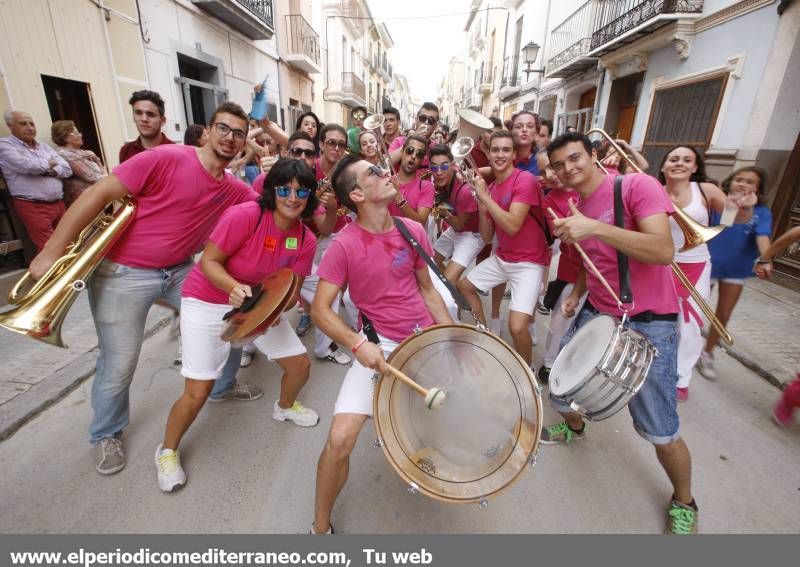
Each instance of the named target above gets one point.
<point>270,298</point>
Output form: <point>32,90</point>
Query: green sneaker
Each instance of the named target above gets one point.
<point>681,519</point>
<point>561,433</point>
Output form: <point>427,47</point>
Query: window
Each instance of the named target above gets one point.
<point>202,93</point>
<point>684,114</point>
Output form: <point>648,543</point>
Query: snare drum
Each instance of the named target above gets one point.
<point>485,434</point>
<point>601,368</point>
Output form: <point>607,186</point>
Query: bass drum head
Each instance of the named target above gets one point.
<point>582,354</point>
<point>481,439</point>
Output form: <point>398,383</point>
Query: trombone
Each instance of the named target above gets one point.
<point>694,234</point>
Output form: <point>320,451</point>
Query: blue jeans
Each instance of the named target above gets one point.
<point>228,377</point>
<point>655,408</point>
<point>120,297</point>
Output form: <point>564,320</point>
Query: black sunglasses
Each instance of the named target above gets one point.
<point>429,120</point>
<point>411,151</point>
<point>298,152</point>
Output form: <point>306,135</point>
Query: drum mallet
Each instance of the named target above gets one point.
<point>434,398</point>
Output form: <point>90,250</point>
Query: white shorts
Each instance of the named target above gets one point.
<point>524,279</point>
<point>205,353</point>
<point>461,247</point>
<point>358,387</point>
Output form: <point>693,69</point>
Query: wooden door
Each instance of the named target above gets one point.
<point>786,212</point>
<point>587,98</point>
<point>625,121</point>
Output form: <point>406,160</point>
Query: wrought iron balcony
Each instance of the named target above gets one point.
<point>617,22</point>
<point>486,81</point>
<point>253,18</point>
<point>303,44</point>
<point>571,42</point>
<point>511,72</point>
<point>353,89</point>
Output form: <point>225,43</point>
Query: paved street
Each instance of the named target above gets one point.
<point>250,474</point>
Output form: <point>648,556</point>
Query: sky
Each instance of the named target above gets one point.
<point>426,36</point>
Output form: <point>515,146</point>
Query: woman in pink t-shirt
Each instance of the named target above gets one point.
<point>250,242</point>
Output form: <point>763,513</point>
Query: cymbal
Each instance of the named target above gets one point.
<point>256,315</point>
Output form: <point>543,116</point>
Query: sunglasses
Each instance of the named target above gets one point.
<point>284,192</point>
<point>336,144</point>
<point>411,151</point>
<point>299,152</point>
<point>376,170</point>
<point>429,120</point>
<point>359,116</point>
<point>438,168</point>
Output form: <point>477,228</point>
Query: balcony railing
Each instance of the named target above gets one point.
<point>510,72</point>
<point>571,42</point>
<point>303,44</point>
<point>613,18</point>
<point>253,18</point>
<point>352,85</point>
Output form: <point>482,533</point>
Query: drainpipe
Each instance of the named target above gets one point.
<point>596,111</point>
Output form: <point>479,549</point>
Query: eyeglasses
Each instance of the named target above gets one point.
<point>376,170</point>
<point>223,130</point>
<point>411,151</point>
<point>336,144</point>
<point>299,152</point>
<point>438,168</point>
<point>429,120</point>
<point>302,192</point>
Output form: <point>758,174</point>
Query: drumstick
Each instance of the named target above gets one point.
<point>589,263</point>
<point>434,398</point>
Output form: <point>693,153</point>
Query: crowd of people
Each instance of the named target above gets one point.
<point>332,204</point>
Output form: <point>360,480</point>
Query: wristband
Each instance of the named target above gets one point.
<point>358,344</point>
<point>762,261</point>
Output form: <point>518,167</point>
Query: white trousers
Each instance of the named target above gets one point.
<point>558,326</point>
<point>691,340</point>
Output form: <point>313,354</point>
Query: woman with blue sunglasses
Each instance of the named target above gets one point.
<point>250,242</point>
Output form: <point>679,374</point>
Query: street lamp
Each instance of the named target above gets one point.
<point>529,54</point>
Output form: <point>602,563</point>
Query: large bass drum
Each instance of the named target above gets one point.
<point>486,433</point>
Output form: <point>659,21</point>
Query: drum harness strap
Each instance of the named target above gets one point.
<point>369,330</point>
<point>625,295</point>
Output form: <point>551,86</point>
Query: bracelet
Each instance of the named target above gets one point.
<point>402,203</point>
<point>762,261</point>
<point>358,344</point>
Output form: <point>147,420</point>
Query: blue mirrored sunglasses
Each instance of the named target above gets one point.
<point>438,168</point>
<point>302,192</point>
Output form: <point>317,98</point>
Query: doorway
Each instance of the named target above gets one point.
<point>72,100</point>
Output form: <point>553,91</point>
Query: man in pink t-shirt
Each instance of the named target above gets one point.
<point>461,242</point>
<point>180,192</point>
<point>414,198</point>
<point>510,209</point>
<point>647,242</point>
<point>425,125</point>
<point>390,284</point>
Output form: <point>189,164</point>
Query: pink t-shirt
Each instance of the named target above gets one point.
<point>418,193</point>
<point>652,285</point>
<point>254,249</point>
<point>462,201</point>
<point>380,272</point>
<point>529,243</point>
<point>569,262</point>
<point>177,204</point>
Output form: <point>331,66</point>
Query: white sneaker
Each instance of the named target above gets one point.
<point>247,359</point>
<point>337,357</point>
<point>298,413</point>
<point>705,366</point>
<point>170,472</point>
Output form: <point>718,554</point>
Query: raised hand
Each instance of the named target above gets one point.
<point>574,228</point>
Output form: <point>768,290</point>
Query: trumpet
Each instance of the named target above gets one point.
<point>694,234</point>
<point>374,124</point>
<point>466,165</point>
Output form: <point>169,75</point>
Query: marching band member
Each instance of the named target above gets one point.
<point>151,259</point>
<point>250,242</point>
<point>427,119</point>
<point>328,220</point>
<point>683,175</point>
<point>507,209</point>
<point>569,265</point>
<point>414,198</point>
<point>647,242</point>
<point>368,144</point>
<point>461,241</point>
<point>525,129</point>
<point>390,284</point>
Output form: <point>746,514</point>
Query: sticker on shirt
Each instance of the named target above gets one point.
<point>291,244</point>
<point>270,243</point>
